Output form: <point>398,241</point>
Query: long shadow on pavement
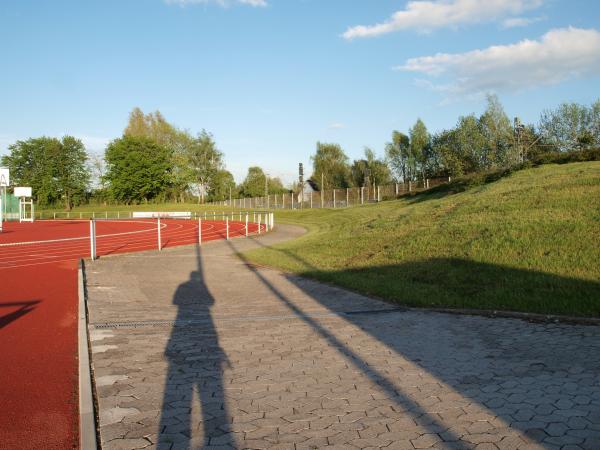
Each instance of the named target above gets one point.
<point>540,380</point>
<point>196,362</point>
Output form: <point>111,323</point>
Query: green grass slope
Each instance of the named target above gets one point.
<point>528,242</point>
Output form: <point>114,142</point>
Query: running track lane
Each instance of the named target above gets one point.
<point>38,317</point>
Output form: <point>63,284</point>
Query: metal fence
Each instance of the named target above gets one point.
<point>335,198</point>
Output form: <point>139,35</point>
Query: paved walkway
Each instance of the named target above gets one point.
<point>195,349</point>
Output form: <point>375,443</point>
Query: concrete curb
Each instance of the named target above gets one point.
<point>87,421</point>
<point>489,313</point>
<point>529,317</point>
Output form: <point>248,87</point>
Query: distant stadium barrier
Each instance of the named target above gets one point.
<point>162,215</point>
<point>333,198</point>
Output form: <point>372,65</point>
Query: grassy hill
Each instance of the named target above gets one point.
<point>528,242</point>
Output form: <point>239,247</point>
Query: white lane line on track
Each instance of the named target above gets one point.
<point>108,245</point>
<point>15,244</point>
<point>110,238</point>
<point>170,238</point>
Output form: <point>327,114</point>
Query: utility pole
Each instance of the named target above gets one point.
<point>267,189</point>
<point>229,195</point>
<point>301,179</point>
<point>519,127</point>
<point>322,188</point>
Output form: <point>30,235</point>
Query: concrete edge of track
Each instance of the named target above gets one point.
<point>87,419</point>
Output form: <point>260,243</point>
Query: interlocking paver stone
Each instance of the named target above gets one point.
<point>196,349</point>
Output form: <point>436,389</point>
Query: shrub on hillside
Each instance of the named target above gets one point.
<point>461,184</point>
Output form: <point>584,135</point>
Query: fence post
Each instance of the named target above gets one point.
<point>54,215</point>
<point>362,195</point>
<point>322,193</point>
<point>93,239</point>
<point>449,179</point>
<point>227,226</point>
<point>200,231</point>
<point>159,236</point>
<point>347,198</point>
<point>246,224</point>
<point>334,198</point>
<point>292,195</point>
<point>310,199</point>
<point>427,181</point>
<point>378,193</point>
<point>259,216</point>
<point>409,186</point>
<point>396,189</point>
<point>272,220</point>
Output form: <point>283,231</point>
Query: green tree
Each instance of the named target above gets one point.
<point>203,161</point>
<point>137,169</point>
<point>254,183</point>
<point>572,126</point>
<point>420,140</point>
<point>496,127</point>
<point>55,169</point>
<point>460,149</point>
<point>370,170</point>
<point>71,171</point>
<point>330,164</point>
<point>223,184</point>
<point>396,153</point>
<point>195,160</point>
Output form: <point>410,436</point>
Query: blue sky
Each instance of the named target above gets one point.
<point>269,78</point>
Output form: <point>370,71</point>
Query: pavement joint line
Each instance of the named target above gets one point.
<point>87,420</point>
<point>208,320</point>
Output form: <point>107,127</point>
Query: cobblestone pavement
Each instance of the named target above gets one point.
<point>196,349</point>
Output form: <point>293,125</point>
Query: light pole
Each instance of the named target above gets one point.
<point>267,188</point>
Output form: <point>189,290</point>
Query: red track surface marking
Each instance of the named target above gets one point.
<point>38,316</point>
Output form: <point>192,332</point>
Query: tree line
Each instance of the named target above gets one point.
<point>475,144</point>
<point>154,161</point>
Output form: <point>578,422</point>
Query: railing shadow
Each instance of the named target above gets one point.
<point>196,363</point>
<point>520,373</point>
<point>23,308</point>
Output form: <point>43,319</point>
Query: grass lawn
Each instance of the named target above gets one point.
<point>529,242</point>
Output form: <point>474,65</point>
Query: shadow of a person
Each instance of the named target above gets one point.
<point>196,364</point>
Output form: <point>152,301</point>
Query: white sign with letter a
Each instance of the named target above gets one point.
<point>4,176</point>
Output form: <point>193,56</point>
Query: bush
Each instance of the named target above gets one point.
<point>461,184</point>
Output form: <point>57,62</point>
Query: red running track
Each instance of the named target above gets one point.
<point>38,316</point>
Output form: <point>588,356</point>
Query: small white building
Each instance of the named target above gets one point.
<point>309,187</point>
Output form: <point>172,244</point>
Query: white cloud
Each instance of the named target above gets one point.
<point>223,3</point>
<point>559,55</point>
<point>425,16</point>
<point>337,126</point>
<point>513,22</point>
